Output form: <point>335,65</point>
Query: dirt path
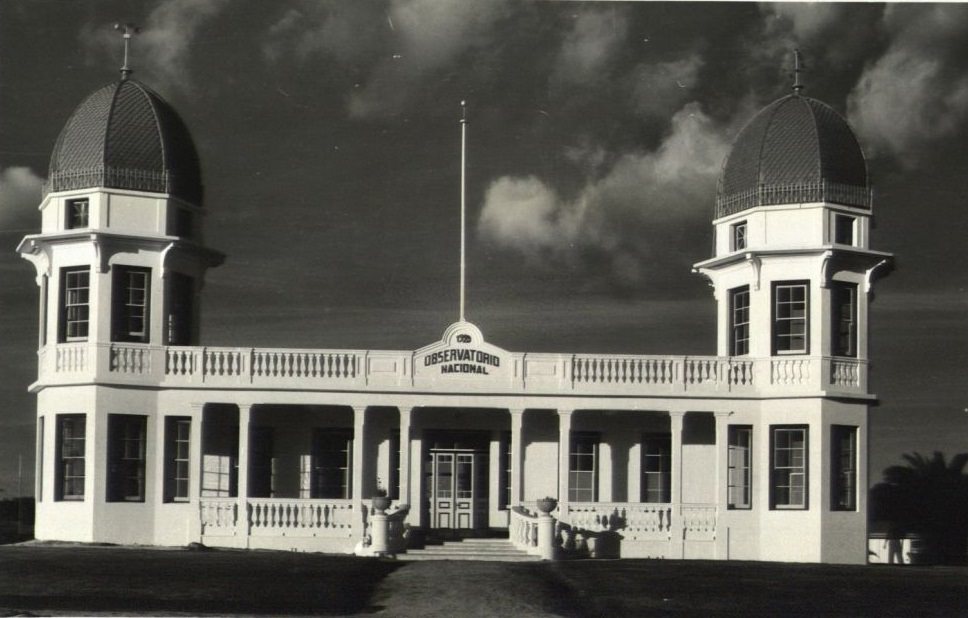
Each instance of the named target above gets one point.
<point>467,588</point>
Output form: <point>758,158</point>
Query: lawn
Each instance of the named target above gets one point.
<point>82,580</point>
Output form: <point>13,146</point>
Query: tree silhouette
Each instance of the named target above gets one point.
<point>928,496</point>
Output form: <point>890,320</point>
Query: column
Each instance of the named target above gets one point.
<point>517,457</point>
<point>359,460</point>
<point>198,465</point>
<point>564,458</point>
<point>722,483</point>
<point>242,514</point>
<point>405,416</point>
<point>678,530</point>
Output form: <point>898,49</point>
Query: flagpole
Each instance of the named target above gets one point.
<point>463,205</point>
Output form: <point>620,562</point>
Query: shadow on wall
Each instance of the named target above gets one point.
<point>928,497</point>
<point>16,520</point>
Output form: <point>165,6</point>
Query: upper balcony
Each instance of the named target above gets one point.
<point>434,369</point>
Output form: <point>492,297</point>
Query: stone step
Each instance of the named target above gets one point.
<point>470,549</point>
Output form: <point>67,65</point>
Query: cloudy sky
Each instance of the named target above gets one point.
<point>330,145</point>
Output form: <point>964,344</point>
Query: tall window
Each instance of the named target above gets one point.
<point>178,433</point>
<point>181,300</point>
<point>332,464</point>
<point>656,468</point>
<point>131,294</point>
<point>75,299</point>
<point>739,321</point>
<point>843,305</point>
<point>739,491</point>
<point>126,458</point>
<point>393,485</point>
<point>39,462</point>
<point>790,314</point>
<point>738,236</point>
<point>583,467</point>
<point>844,229</point>
<point>77,213</point>
<point>71,429</point>
<point>843,468</point>
<point>788,462</point>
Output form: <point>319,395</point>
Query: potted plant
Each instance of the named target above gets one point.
<point>547,504</point>
<point>380,500</point>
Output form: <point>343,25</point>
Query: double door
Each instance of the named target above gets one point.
<point>458,489</point>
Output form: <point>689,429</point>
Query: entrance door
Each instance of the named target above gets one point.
<point>458,489</point>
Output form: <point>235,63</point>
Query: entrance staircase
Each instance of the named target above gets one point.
<point>491,549</point>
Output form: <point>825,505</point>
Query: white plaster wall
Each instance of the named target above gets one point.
<point>540,441</point>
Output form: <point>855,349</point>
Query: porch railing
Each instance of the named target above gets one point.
<point>580,374</point>
<point>523,530</point>
<point>636,520</point>
<point>293,516</point>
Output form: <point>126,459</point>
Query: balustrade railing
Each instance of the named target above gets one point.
<point>218,515</point>
<point>790,371</point>
<point>71,358</point>
<point>304,364</point>
<point>130,359</point>
<point>845,372</point>
<point>699,520</point>
<point>636,520</point>
<point>293,517</point>
<point>523,530</point>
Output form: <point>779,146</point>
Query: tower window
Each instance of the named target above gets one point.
<point>181,299</point>
<point>126,458</point>
<point>77,213</point>
<point>71,430</point>
<point>738,236</point>
<point>75,299</point>
<point>790,313</point>
<point>131,299</point>
<point>788,463</point>
<point>739,321</point>
<point>843,304</point>
<point>843,468</point>
<point>583,467</point>
<point>657,468</point>
<point>740,462</point>
<point>844,229</point>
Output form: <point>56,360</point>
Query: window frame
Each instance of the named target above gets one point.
<point>843,478</point>
<point>67,464</point>
<point>127,458</point>
<point>75,305</point>
<point>838,323</point>
<point>178,462</point>
<point>738,236</point>
<point>77,213</point>
<point>777,319</point>
<point>739,332</point>
<point>662,457</point>
<point>343,490</point>
<point>777,472</point>
<point>583,465</point>
<point>844,224</point>
<point>739,476</point>
<point>127,308</point>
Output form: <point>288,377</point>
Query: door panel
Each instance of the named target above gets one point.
<point>457,489</point>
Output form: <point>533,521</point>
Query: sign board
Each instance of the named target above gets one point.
<point>462,355</point>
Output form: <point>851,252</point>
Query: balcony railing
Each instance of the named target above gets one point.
<point>393,371</point>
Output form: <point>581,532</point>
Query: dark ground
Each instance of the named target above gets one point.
<point>70,579</point>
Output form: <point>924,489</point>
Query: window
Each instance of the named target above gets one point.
<point>262,470</point>
<point>790,312</point>
<point>738,236</point>
<point>44,299</point>
<point>843,468</point>
<point>70,456</point>
<point>39,462</point>
<point>332,462</point>
<point>843,329</point>
<point>178,433</point>
<point>126,458</point>
<point>583,467</point>
<point>739,490</point>
<point>131,295</point>
<point>844,230</point>
<point>181,301</point>
<point>656,468</point>
<point>788,462</point>
<point>75,296</point>
<point>77,213</point>
<point>393,485</point>
<point>739,321</point>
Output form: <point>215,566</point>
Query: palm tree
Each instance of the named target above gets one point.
<point>928,496</point>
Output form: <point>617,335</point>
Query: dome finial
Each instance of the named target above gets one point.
<point>128,30</point>
<point>797,69</point>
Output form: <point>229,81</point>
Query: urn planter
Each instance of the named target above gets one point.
<point>546,505</point>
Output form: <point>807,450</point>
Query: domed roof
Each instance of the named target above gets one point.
<point>125,136</point>
<point>795,150</point>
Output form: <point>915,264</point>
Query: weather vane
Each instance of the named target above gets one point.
<point>797,69</point>
<point>128,30</point>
